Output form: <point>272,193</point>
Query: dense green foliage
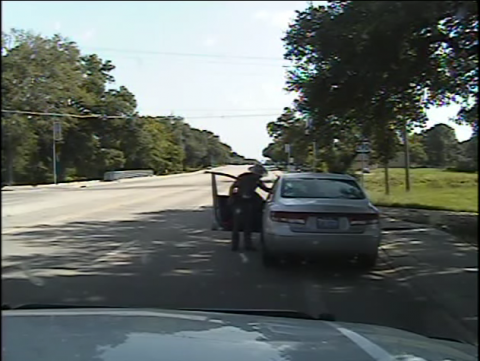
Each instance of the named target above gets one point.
<point>369,69</point>
<point>50,75</point>
<point>438,147</point>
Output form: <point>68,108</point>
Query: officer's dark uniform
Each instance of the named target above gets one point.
<point>243,201</point>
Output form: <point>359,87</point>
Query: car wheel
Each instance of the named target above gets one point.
<point>367,261</point>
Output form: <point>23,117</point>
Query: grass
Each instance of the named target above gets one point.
<point>430,189</point>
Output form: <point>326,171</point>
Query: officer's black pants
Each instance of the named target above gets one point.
<point>243,217</point>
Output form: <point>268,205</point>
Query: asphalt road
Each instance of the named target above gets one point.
<point>148,243</point>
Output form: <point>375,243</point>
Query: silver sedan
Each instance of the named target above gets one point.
<point>320,213</point>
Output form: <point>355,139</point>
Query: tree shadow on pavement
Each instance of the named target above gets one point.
<point>171,259</point>
<point>167,257</point>
<point>439,266</point>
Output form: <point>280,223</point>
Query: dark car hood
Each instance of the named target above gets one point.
<point>144,335</point>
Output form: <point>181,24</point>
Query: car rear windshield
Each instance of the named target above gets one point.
<point>321,188</point>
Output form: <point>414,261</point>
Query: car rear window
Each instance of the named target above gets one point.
<point>321,188</point>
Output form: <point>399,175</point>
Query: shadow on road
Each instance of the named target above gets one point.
<point>169,250</point>
<point>171,259</point>
<point>168,257</point>
<point>442,268</point>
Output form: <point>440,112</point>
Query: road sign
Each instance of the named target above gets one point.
<point>287,148</point>
<point>364,148</point>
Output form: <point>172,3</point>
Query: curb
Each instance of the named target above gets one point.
<point>86,184</point>
<point>453,223</point>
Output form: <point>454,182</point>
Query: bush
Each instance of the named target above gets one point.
<point>466,165</point>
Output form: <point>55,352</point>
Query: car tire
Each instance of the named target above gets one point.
<point>367,261</point>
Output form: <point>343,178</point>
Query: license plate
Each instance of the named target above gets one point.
<point>327,223</point>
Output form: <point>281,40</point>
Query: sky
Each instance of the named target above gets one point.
<point>219,64</point>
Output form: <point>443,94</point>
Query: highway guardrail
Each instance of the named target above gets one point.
<point>124,174</point>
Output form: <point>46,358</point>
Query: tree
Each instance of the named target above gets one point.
<point>418,156</point>
<point>467,160</point>
<point>276,152</point>
<point>441,146</point>
<point>290,129</point>
<point>102,131</point>
<point>353,60</point>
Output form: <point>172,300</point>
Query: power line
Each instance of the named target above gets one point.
<point>184,54</point>
<point>233,116</point>
<point>191,55</point>
<point>222,110</point>
<point>126,117</point>
<point>62,114</point>
<point>138,58</point>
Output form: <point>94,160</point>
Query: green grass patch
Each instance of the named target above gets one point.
<point>430,189</point>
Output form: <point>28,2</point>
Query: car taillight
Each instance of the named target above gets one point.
<point>289,217</point>
<point>363,219</point>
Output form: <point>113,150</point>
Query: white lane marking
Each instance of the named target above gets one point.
<point>372,349</point>
<point>244,258</point>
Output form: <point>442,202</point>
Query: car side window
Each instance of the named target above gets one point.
<point>274,189</point>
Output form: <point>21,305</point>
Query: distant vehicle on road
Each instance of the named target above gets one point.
<point>123,334</point>
<point>320,213</point>
<point>271,167</point>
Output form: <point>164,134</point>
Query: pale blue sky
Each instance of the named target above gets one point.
<point>234,66</point>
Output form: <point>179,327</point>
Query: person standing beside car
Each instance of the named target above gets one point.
<point>243,198</point>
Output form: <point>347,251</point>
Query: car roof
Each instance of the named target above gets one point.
<point>317,175</point>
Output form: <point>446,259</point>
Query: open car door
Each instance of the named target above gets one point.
<point>222,211</point>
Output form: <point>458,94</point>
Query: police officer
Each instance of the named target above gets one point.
<point>243,200</point>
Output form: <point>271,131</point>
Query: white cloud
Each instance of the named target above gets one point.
<point>282,19</point>
<point>209,42</point>
<point>278,19</point>
<point>88,34</point>
<point>57,26</point>
<point>261,15</point>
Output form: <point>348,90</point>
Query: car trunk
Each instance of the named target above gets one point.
<point>325,215</point>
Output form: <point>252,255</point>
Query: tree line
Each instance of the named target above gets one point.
<point>104,132</point>
<point>436,147</point>
<point>368,70</point>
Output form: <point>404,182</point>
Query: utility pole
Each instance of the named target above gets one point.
<point>407,156</point>
<point>9,153</point>
<point>288,150</point>
<point>54,155</point>
<point>57,133</point>
<point>310,131</point>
